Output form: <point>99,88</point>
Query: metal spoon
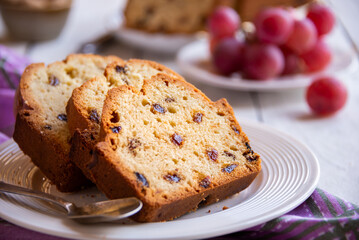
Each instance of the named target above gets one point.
<point>104,211</point>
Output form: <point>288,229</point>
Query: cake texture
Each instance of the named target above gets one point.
<point>171,147</point>
<point>41,128</point>
<point>186,16</point>
<point>84,108</point>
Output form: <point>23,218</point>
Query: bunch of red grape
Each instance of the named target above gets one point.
<point>281,44</point>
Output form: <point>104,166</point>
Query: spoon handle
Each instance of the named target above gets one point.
<point>9,188</point>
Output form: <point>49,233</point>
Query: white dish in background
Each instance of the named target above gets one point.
<point>158,42</point>
<point>194,62</point>
<point>290,173</point>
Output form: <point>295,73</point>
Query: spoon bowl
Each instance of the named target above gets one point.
<point>104,211</point>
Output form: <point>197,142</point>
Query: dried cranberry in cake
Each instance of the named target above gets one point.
<point>121,69</point>
<point>197,117</point>
<point>49,127</point>
<point>228,154</point>
<point>133,143</point>
<point>205,182</point>
<point>212,154</point>
<point>142,179</point>
<point>62,117</point>
<point>116,129</point>
<point>229,168</point>
<point>156,108</point>
<point>125,80</point>
<point>169,99</point>
<point>115,117</point>
<point>249,147</point>
<point>235,129</point>
<point>177,139</point>
<point>250,157</point>
<point>172,178</point>
<point>93,116</point>
<point>53,81</point>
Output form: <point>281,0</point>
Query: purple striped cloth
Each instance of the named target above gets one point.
<point>321,216</point>
<point>11,67</point>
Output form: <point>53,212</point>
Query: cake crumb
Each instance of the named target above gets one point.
<point>209,211</point>
<point>225,207</point>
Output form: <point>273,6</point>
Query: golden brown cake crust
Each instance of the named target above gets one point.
<point>114,184</point>
<point>50,158</point>
<point>115,180</point>
<point>38,139</point>
<point>82,147</point>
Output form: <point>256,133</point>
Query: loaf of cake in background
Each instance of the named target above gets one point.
<point>189,16</point>
<point>175,16</point>
<point>248,9</point>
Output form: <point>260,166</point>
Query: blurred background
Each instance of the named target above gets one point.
<point>47,31</point>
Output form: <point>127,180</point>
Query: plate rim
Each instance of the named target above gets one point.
<point>233,227</point>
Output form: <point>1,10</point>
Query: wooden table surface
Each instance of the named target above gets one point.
<point>334,140</point>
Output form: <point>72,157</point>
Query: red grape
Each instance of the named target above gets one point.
<point>318,57</point>
<point>292,62</point>
<point>273,25</point>
<point>223,22</point>
<point>326,95</point>
<point>213,42</point>
<point>303,36</point>
<point>227,55</point>
<point>262,61</point>
<point>322,17</point>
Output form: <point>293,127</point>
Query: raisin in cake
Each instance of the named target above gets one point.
<point>41,129</point>
<point>171,147</point>
<point>187,16</point>
<point>84,108</point>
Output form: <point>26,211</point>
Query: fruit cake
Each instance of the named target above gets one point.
<point>190,16</point>
<point>187,16</point>
<point>41,129</point>
<point>84,108</point>
<point>171,147</point>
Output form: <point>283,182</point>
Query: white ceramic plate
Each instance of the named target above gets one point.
<point>158,42</point>
<point>155,42</point>
<point>194,61</point>
<point>290,173</point>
